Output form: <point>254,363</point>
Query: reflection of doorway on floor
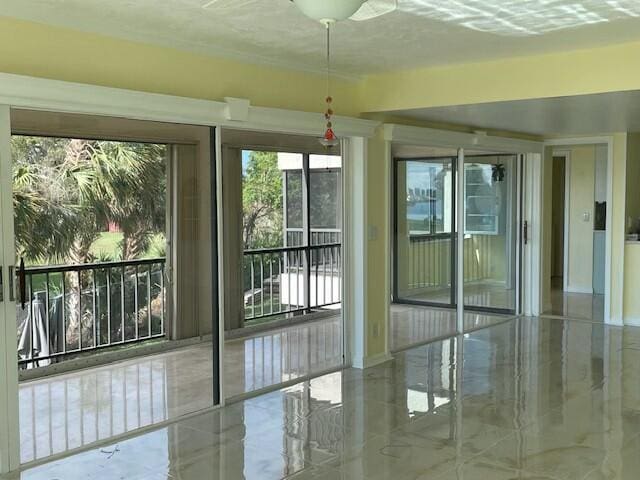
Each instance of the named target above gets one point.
<point>578,232</point>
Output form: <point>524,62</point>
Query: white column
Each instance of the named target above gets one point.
<point>9,428</point>
<point>355,250</point>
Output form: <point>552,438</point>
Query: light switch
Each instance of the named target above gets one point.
<point>372,233</point>
<point>586,216</point>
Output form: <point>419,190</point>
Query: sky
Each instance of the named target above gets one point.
<point>245,160</point>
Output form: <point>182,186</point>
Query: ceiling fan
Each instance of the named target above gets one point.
<point>326,11</point>
<point>329,11</point>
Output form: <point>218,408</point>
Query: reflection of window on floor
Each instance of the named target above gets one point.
<point>292,209</point>
<point>90,227</point>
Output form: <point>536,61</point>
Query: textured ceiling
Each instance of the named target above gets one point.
<point>420,33</point>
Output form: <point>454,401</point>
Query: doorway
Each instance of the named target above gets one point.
<point>578,232</point>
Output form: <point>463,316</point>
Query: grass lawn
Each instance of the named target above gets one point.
<point>107,245</point>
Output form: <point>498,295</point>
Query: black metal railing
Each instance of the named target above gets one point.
<point>70,309</point>
<point>318,236</point>
<point>289,280</point>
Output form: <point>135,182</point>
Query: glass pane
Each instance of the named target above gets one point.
<point>262,194</point>
<point>490,231</point>
<point>424,219</point>
<point>90,225</point>
<point>294,198</point>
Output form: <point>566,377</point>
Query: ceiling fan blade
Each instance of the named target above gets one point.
<point>224,3</point>
<point>374,8</point>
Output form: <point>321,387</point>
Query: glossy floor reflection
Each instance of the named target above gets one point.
<point>412,325</point>
<point>66,412</point>
<point>584,306</point>
<point>476,294</point>
<point>526,399</point>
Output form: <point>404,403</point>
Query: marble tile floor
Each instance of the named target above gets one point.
<point>583,306</point>
<point>412,324</point>
<point>73,410</point>
<point>537,399</point>
<point>476,294</point>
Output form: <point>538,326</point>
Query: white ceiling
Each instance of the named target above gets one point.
<point>420,33</point>
<point>576,115</point>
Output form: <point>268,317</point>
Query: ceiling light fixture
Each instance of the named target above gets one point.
<point>329,12</point>
<point>329,138</point>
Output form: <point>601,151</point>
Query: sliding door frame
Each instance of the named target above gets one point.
<point>456,186</point>
<point>9,391</point>
<point>24,92</point>
<point>529,154</point>
<point>452,235</point>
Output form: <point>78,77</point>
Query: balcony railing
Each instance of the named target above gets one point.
<point>319,236</point>
<point>291,280</point>
<point>72,309</point>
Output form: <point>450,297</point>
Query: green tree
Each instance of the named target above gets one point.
<point>262,201</point>
<point>67,190</point>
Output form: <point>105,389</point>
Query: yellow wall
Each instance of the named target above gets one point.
<point>632,214</point>
<point>581,173</point>
<point>38,50</point>
<point>616,210</point>
<point>586,71</point>
<point>378,248</point>
<point>633,178</point>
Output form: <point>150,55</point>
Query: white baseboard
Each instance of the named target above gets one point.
<point>632,322</point>
<point>574,289</point>
<point>368,362</point>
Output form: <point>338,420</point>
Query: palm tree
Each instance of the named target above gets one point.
<point>67,190</point>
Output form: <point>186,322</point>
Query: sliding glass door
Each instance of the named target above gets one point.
<point>110,278</point>
<point>490,236</point>
<point>424,230</point>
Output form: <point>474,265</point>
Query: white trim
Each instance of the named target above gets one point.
<point>449,139</point>
<point>55,95</point>
<point>9,413</point>
<point>632,322</point>
<point>608,299</point>
<point>388,225</point>
<point>355,251</point>
<point>574,289</point>
<point>532,251</point>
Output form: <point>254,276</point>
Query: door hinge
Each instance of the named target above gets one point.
<point>525,232</point>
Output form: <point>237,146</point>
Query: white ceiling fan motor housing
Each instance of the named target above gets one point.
<point>328,11</point>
